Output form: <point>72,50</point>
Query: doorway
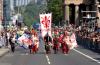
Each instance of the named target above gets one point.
<point>72,14</point>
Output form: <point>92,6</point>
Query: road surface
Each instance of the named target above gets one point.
<point>78,56</point>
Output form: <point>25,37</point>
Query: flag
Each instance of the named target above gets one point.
<point>70,40</point>
<point>25,41</point>
<point>73,41</point>
<point>45,21</point>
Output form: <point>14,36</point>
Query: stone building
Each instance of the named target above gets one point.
<point>1,14</point>
<point>77,11</point>
<point>1,10</point>
<point>98,12</point>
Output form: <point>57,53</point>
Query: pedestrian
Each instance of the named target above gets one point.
<point>12,44</point>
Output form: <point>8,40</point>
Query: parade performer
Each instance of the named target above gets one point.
<point>66,43</point>
<point>48,41</point>
<point>33,31</point>
<point>55,44</point>
<point>30,44</point>
<point>30,48</point>
<point>36,42</point>
<point>70,39</point>
<point>73,42</point>
<point>60,39</point>
<point>24,40</point>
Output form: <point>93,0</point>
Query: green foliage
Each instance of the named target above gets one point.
<point>31,13</point>
<point>55,6</point>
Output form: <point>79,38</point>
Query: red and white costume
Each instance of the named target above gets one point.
<point>36,43</point>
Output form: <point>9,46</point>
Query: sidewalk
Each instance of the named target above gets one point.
<point>3,51</point>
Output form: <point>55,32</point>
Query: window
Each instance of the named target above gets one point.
<point>99,9</point>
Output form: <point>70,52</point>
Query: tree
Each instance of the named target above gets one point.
<point>31,13</point>
<point>55,7</point>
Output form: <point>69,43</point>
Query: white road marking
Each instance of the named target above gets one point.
<point>48,60</point>
<point>87,56</point>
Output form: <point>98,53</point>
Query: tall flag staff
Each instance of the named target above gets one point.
<point>45,21</point>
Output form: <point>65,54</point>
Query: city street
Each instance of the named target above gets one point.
<point>75,57</point>
<point>49,32</point>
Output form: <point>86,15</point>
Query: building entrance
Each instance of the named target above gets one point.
<point>72,14</point>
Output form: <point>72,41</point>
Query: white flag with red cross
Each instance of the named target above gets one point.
<point>45,21</point>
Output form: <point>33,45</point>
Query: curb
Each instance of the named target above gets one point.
<point>4,53</point>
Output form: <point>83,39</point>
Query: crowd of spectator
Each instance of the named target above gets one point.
<point>89,39</point>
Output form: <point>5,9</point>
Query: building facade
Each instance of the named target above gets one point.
<point>77,11</point>
<point>1,15</point>
<point>98,12</point>
<point>1,10</point>
<point>6,11</point>
<point>21,2</point>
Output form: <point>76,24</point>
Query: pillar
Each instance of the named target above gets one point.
<point>67,14</point>
<point>98,15</point>
<point>77,15</point>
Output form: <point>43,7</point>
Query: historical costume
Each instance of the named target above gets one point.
<point>36,42</point>
<point>47,40</point>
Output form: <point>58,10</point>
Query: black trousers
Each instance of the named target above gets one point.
<point>13,48</point>
<point>47,47</point>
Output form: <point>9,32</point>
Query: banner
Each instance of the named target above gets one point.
<point>73,41</point>
<point>24,41</point>
<point>45,21</point>
<point>70,40</point>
